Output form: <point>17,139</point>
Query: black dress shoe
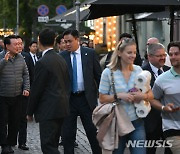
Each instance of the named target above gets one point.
<point>23,147</point>
<point>6,149</point>
<point>10,149</point>
<point>75,144</point>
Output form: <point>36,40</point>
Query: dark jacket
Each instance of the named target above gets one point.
<point>49,95</point>
<point>30,64</point>
<point>154,117</point>
<point>14,76</point>
<point>91,73</point>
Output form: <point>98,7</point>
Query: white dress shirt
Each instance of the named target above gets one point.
<point>80,79</point>
<point>155,70</point>
<point>34,56</point>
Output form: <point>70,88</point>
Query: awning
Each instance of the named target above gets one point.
<point>71,13</point>
<point>104,8</point>
<point>153,16</point>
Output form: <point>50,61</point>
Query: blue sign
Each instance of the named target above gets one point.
<point>43,10</point>
<point>61,9</point>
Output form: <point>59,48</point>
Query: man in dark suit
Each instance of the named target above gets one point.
<point>153,122</point>
<point>49,98</point>
<point>31,58</point>
<point>85,72</point>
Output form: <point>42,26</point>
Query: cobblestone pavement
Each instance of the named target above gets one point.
<point>83,145</point>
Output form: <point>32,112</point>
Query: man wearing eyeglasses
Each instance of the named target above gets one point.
<point>167,98</point>
<point>156,55</point>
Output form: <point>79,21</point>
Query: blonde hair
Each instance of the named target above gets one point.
<point>115,62</point>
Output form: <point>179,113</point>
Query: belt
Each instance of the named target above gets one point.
<point>78,93</point>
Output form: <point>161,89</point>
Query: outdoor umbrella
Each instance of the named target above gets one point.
<point>104,8</point>
<point>153,16</point>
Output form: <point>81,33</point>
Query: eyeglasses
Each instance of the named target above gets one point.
<point>160,56</point>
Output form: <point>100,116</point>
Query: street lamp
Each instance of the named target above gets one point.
<point>77,4</point>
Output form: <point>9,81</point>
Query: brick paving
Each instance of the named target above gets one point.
<point>83,145</point>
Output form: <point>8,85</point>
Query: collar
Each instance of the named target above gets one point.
<point>78,51</point>
<point>32,54</point>
<point>46,51</point>
<point>173,72</point>
<point>155,69</point>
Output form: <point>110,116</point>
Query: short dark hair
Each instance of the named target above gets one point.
<point>58,38</point>
<point>72,32</point>
<point>18,36</point>
<point>7,40</point>
<point>173,44</point>
<point>47,37</point>
<point>32,42</point>
<point>127,35</point>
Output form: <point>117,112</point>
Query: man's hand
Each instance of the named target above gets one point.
<point>25,93</point>
<point>170,108</point>
<point>29,118</point>
<point>7,55</point>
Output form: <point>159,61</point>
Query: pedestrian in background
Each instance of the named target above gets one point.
<point>85,72</point>
<point>1,44</point>
<point>156,55</point>
<point>60,43</point>
<point>167,98</point>
<point>106,59</point>
<point>22,133</point>
<point>49,97</point>
<point>31,58</point>
<point>124,73</point>
<point>14,79</point>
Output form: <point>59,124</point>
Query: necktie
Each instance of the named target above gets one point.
<point>159,72</point>
<point>74,86</point>
<point>34,59</point>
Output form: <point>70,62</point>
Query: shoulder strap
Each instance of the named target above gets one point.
<point>113,85</point>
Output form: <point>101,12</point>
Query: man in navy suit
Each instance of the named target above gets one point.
<point>84,85</point>
<point>49,96</point>
<point>153,122</point>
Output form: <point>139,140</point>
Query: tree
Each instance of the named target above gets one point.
<point>28,16</point>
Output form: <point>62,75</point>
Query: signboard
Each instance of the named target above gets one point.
<point>66,25</point>
<point>60,9</point>
<point>43,19</point>
<point>60,20</point>
<point>43,10</point>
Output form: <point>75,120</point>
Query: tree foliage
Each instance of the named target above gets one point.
<point>28,15</point>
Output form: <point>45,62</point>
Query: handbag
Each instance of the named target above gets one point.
<point>111,121</point>
<point>107,109</point>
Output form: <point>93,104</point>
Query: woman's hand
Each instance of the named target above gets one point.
<point>128,97</point>
<point>138,96</point>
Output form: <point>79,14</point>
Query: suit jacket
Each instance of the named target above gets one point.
<point>91,73</point>
<point>30,64</point>
<point>154,117</point>
<point>49,95</point>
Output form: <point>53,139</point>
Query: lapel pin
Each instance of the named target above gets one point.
<point>86,54</point>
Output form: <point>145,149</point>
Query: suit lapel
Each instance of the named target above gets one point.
<point>152,75</point>
<point>31,60</point>
<point>84,56</point>
<point>68,60</point>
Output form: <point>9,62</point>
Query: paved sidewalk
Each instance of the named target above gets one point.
<point>81,139</point>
